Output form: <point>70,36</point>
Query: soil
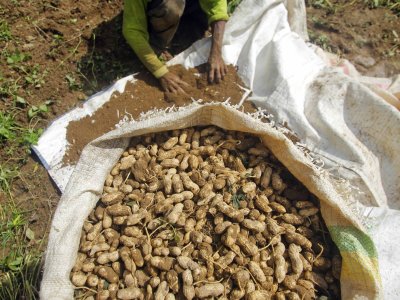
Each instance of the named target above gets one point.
<point>369,38</point>
<point>82,39</point>
<point>144,95</point>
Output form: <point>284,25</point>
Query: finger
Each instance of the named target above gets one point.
<point>211,75</point>
<point>170,87</point>
<point>181,82</point>
<point>218,75</point>
<point>224,70</point>
<point>177,88</point>
<point>174,90</point>
<point>164,87</point>
<point>180,89</point>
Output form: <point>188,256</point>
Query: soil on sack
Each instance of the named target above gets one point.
<point>144,95</point>
<point>369,37</point>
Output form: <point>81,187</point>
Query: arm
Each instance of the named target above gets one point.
<point>217,14</point>
<point>134,29</point>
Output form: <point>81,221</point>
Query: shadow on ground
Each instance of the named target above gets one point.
<point>109,57</point>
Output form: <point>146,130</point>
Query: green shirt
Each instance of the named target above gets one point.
<point>134,29</point>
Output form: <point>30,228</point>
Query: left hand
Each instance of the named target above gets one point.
<point>216,68</point>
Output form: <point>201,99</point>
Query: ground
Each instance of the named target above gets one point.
<point>54,54</point>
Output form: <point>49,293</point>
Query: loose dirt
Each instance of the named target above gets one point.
<point>144,95</point>
<point>368,37</point>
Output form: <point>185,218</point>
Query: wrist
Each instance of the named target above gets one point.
<point>160,72</point>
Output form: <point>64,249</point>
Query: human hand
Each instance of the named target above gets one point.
<point>216,68</point>
<point>172,83</point>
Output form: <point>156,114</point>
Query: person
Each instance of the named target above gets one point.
<point>151,24</point>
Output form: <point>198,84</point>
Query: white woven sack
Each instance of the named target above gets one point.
<point>99,157</point>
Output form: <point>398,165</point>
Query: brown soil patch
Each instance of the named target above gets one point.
<point>144,95</point>
<point>369,38</point>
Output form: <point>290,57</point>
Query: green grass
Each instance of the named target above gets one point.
<point>5,33</point>
<point>391,4</point>
<point>23,283</point>
<point>13,136</point>
<point>20,121</point>
<point>321,40</point>
<point>19,262</point>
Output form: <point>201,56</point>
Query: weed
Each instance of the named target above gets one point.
<point>9,87</point>
<point>321,40</point>
<point>24,282</point>
<point>5,33</point>
<point>324,4</point>
<point>32,75</point>
<point>8,232</point>
<point>31,137</point>
<point>8,127</point>
<point>39,110</point>
<point>17,136</point>
<point>72,84</point>
<point>16,57</point>
<point>393,5</point>
<point>7,175</point>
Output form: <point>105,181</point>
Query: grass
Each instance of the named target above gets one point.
<point>25,282</point>
<point>20,259</point>
<point>20,264</point>
<point>331,7</point>
<point>393,5</point>
<point>5,33</point>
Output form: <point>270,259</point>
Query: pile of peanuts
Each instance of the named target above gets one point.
<point>204,213</point>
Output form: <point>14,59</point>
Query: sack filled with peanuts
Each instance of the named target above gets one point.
<point>204,203</point>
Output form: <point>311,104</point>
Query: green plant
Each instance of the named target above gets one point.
<point>17,136</point>
<point>33,77</point>
<point>8,231</point>
<point>16,57</point>
<point>321,40</point>
<point>24,282</point>
<point>31,136</point>
<point>9,87</point>
<point>7,174</point>
<point>5,33</point>
<point>8,127</point>
<point>72,84</point>
<point>37,110</point>
<point>391,4</point>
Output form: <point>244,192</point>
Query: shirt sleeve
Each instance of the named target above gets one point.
<point>216,10</point>
<point>134,29</point>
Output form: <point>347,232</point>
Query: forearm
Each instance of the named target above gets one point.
<point>145,53</point>
<point>218,29</point>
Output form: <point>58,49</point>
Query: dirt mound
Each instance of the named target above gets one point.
<point>144,95</point>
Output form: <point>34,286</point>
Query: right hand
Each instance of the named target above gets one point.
<point>173,84</point>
